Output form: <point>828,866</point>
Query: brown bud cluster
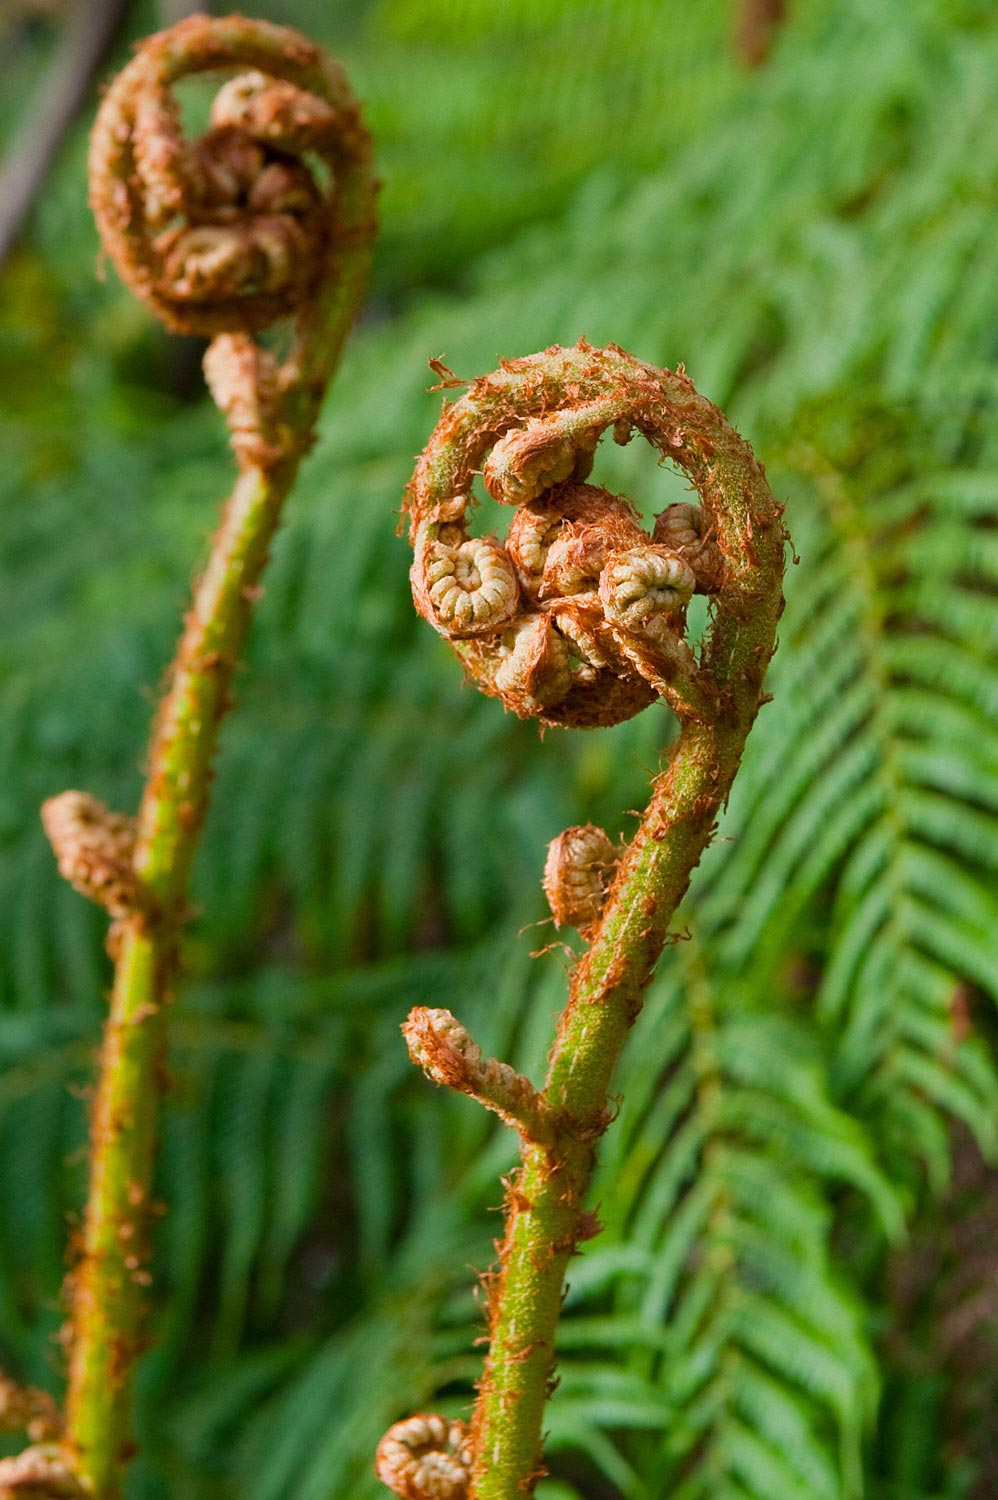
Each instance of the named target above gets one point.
<point>233,230</point>
<point>95,848</point>
<point>39,1473</point>
<point>577,617</point>
<point>27,1409</point>
<point>425,1458</point>
<point>249,209</point>
<point>580,865</point>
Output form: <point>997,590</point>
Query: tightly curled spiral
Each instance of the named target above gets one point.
<point>425,1458</point>
<point>242,226</point>
<point>579,616</point>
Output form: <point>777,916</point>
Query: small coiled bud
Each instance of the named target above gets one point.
<point>95,848</point>
<point>644,593</point>
<point>581,624</point>
<point>641,586</point>
<point>441,1046</point>
<point>275,113</point>
<point>683,529</point>
<point>39,1473</point>
<point>425,1457</point>
<point>468,583</point>
<point>245,385</point>
<point>534,668</point>
<point>215,262</point>
<point>530,459</point>
<point>577,873</point>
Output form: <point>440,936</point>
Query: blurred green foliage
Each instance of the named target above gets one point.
<point>816,241</point>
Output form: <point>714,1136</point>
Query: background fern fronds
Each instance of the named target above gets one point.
<point>816,242</point>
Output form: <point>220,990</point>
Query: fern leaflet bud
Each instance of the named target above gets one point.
<point>577,874</point>
<point>95,848</point>
<point>425,1457</point>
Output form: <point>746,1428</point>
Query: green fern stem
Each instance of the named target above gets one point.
<point>546,1201</point>
<point>529,407</point>
<point>300,109</point>
<point>107,1284</point>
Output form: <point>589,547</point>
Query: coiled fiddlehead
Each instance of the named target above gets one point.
<point>250,222</point>
<point>267,216</point>
<point>425,1458</point>
<point>579,619</point>
<point>587,629</point>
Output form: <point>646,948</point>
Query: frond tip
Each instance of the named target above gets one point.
<point>425,1458</point>
<point>95,849</point>
<point>577,874</point>
<point>440,1045</point>
<point>234,230</point>
<point>579,617</point>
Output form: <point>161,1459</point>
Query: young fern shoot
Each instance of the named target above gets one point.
<point>579,619</point>
<point>267,217</point>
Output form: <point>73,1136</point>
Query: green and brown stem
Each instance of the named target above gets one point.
<point>106,1286</point>
<point>271,409</point>
<point>546,1202</point>
<point>545,1214</point>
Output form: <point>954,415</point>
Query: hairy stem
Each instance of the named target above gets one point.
<point>545,1205</point>
<point>107,1284</point>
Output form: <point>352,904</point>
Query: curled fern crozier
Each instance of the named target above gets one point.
<point>579,617</point>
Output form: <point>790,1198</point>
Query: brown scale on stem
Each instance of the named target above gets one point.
<point>588,628</point>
